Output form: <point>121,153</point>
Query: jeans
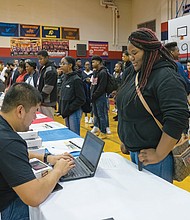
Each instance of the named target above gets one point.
<point>100,112</point>
<point>107,116</point>
<point>17,210</point>
<point>73,121</point>
<point>163,169</point>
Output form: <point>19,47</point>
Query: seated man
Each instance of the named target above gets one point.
<point>18,184</point>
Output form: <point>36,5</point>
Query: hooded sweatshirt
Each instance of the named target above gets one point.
<point>48,84</point>
<point>166,96</point>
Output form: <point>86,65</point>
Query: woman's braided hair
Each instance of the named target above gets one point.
<point>145,39</point>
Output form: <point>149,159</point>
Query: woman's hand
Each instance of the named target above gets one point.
<point>52,159</point>
<point>149,156</point>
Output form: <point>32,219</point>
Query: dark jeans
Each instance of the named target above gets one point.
<point>17,210</point>
<point>100,112</point>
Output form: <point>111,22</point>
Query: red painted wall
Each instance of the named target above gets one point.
<point>5,52</point>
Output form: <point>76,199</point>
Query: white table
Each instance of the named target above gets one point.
<point>118,190</point>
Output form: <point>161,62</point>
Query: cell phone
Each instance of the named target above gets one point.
<point>38,165</point>
<point>140,165</point>
<point>57,188</point>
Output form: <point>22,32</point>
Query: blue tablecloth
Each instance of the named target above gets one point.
<point>57,134</point>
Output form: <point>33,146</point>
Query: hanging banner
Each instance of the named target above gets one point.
<point>70,33</point>
<point>98,48</point>
<point>25,46</point>
<point>27,30</point>
<point>51,32</point>
<point>56,47</point>
<point>8,29</point>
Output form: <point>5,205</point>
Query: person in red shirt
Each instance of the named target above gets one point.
<point>22,71</point>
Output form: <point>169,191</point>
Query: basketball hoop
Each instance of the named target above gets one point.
<point>181,37</point>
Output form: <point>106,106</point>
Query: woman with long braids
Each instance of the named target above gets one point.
<point>165,94</point>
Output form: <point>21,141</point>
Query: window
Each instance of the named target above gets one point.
<point>149,24</point>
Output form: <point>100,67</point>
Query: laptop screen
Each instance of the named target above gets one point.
<point>92,148</point>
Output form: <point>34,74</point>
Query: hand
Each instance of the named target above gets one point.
<point>149,156</point>
<point>124,150</point>
<point>52,159</point>
<point>63,166</point>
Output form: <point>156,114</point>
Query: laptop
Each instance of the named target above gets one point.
<point>87,162</point>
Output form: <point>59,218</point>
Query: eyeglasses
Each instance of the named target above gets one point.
<point>63,63</point>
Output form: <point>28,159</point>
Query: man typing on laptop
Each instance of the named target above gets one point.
<point>18,184</point>
<point>88,159</point>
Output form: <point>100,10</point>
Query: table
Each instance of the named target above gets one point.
<point>55,136</point>
<point>117,190</point>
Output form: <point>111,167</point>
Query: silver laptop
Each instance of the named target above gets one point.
<point>87,162</point>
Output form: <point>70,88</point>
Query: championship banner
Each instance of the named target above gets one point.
<point>51,32</point>
<point>8,29</point>
<point>70,33</point>
<point>98,48</point>
<point>27,30</point>
<point>25,46</point>
<point>56,47</point>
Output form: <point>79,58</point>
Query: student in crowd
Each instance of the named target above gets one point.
<point>47,84</point>
<point>174,50</point>
<point>15,72</point>
<point>22,72</point>
<point>118,76</point>
<point>126,60</point>
<point>86,76</point>
<point>59,84</point>
<point>72,95</point>
<point>19,187</point>
<point>99,99</point>
<point>188,69</point>
<point>127,65</point>
<point>7,75</point>
<point>78,67</point>
<point>32,73</point>
<point>164,91</point>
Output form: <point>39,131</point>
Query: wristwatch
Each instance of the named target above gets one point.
<point>45,157</point>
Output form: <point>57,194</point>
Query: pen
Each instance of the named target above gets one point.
<point>49,126</point>
<point>75,144</point>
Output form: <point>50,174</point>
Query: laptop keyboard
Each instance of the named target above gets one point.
<point>78,170</point>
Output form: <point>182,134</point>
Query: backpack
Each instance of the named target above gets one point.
<point>112,83</point>
<point>87,107</point>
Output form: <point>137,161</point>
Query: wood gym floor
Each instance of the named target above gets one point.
<point>112,142</point>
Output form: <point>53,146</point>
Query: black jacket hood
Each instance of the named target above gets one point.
<point>161,63</point>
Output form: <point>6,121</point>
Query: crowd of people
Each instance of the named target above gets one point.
<point>160,78</point>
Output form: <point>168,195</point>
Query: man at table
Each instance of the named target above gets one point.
<point>18,184</point>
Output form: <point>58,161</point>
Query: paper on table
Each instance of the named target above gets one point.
<point>39,115</point>
<point>108,161</point>
<point>60,146</point>
<point>46,126</point>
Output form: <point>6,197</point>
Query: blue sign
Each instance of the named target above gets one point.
<point>51,32</point>
<point>27,30</point>
<point>8,29</point>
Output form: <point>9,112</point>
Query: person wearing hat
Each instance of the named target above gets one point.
<point>32,74</point>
